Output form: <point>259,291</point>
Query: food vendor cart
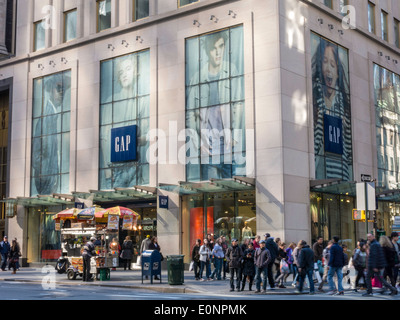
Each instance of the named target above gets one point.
<point>77,226</point>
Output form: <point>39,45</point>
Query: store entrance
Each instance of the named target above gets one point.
<point>146,226</point>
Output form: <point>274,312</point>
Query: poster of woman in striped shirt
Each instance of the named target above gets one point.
<point>332,111</point>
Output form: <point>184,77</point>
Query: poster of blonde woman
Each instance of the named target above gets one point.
<point>124,102</point>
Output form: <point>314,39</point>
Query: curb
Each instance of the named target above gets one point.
<point>153,288</point>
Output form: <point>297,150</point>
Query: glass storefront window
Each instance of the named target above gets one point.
<point>227,214</point>
<point>331,215</point>
<point>147,226</point>
<point>43,240</point>
<point>385,216</point>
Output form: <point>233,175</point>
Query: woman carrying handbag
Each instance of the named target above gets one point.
<point>14,255</point>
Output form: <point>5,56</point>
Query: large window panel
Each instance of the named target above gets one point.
<point>215,113</point>
<point>386,85</point>
<point>125,101</point>
<point>50,132</point>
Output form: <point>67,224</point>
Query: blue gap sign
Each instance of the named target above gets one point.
<point>124,144</point>
<point>333,132</point>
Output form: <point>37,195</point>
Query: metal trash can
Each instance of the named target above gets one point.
<point>176,269</point>
<point>104,274</point>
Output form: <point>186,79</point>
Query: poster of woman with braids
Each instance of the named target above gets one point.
<point>332,111</point>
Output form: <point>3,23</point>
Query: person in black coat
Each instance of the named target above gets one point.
<point>249,270</point>
<point>390,257</point>
<point>155,246</point>
<point>305,266</point>
<point>196,259</point>
<point>234,256</point>
<point>272,247</point>
<point>376,262</point>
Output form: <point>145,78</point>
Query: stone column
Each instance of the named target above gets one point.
<point>3,21</point>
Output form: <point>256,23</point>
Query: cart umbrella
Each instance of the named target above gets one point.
<point>121,211</point>
<point>86,214</point>
<point>65,214</point>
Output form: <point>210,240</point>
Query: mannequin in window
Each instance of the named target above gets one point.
<point>223,231</point>
<point>246,231</point>
<point>235,233</point>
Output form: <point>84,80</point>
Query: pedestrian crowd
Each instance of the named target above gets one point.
<point>10,254</point>
<point>271,261</point>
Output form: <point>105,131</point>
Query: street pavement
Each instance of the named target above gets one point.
<point>132,279</point>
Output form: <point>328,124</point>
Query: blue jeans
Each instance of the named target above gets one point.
<point>260,271</point>
<point>302,277</point>
<point>3,261</point>
<point>331,273</point>
<point>208,269</point>
<point>218,268</point>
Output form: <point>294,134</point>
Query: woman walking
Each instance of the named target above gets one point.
<point>127,252</point>
<point>360,263</point>
<point>296,254</point>
<point>249,270</point>
<point>390,255</point>
<point>289,253</point>
<point>282,256</point>
<point>205,255</point>
<point>14,255</point>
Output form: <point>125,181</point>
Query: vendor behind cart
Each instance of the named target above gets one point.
<point>87,253</point>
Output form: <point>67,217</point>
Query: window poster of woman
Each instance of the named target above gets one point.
<point>332,110</point>
<point>125,101</point>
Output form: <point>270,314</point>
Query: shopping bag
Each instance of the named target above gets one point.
<point>284,266</point>
<point>376,283</point>
<point>191,266</point>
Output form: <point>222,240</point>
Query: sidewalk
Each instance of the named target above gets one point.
<point>132,279</point>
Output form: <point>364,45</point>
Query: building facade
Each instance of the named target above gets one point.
<point>231,118</point>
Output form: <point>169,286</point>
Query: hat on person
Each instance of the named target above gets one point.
<point>262,241</point>
<point>93,239</point>
<point>234,240</point>
<point>5,237</point>
<point>267,235</point>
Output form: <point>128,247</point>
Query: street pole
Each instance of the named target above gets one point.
<point>366,207</point>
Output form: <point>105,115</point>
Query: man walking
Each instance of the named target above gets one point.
<point>318,249</point>
<point>4,251</point>
<point>262,259</point>
<point>87,254</point>
<point>234,257</point>
<point>325,259</point>
<point>273,249</point>
<point>336,263</point>
<point>376,262</point>
<point>306,267</point>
